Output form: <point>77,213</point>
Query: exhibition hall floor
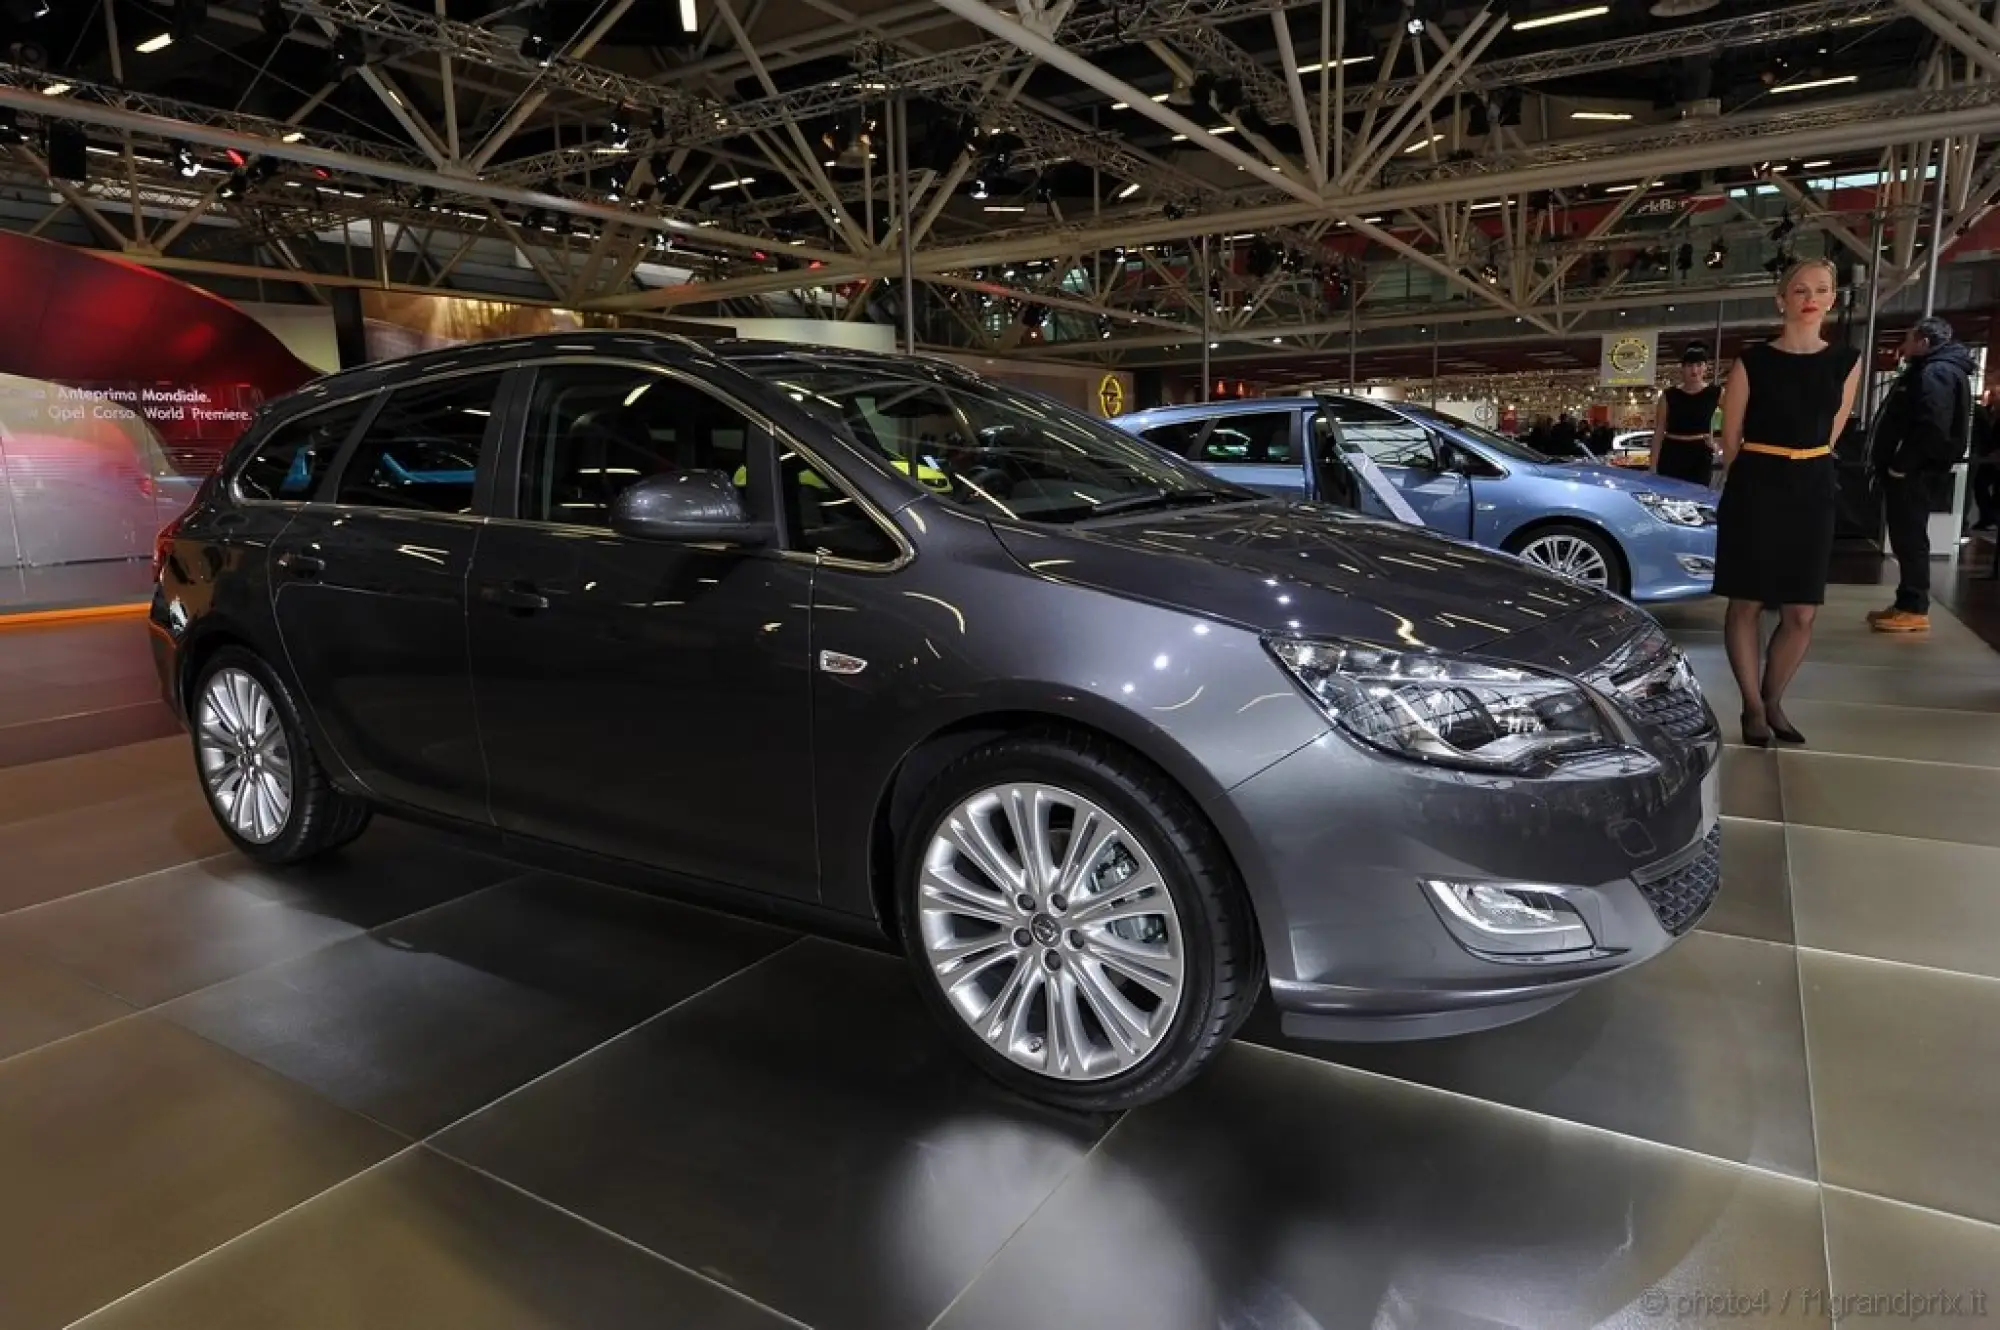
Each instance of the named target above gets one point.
<point>417,1087</point>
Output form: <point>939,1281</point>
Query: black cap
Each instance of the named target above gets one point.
<point>1696,353</point>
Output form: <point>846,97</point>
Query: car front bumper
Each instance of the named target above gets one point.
<point>1336,844</point>
<point>1671,562</point>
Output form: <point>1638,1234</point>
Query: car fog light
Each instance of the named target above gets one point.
<point>1516,919</point>
<point>1696,565</point>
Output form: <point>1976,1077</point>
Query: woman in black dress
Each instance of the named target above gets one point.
<point>1684,422</point>
<point>1785,405</point>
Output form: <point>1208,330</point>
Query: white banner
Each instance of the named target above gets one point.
<point>1629,359</point>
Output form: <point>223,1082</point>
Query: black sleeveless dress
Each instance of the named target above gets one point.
<point>1685,453</point>
<point>1774,522</point>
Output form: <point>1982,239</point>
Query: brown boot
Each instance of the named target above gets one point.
<point>1876,616</point>
<point>1902,621</point>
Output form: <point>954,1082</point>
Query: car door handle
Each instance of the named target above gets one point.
<point>518,597</point>
<point>302,566</point>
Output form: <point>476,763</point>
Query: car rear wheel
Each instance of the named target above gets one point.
<point>263,781</point>
<point>1575,552</point>
<point>1075,923</point>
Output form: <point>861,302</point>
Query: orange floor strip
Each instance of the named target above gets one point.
<point>33,618</point>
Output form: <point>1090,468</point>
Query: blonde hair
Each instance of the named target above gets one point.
<point>1832,272</point>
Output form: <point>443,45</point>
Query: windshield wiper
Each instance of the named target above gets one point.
<point>1146,499</point>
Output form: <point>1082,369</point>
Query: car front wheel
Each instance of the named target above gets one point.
<point>1075,923</point>
<point>257,766</point>
<point>1575,552</point>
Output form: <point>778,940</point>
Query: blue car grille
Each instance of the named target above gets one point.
<point>1680,898</point>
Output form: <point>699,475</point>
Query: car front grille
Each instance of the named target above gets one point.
<point>1681,897</point>
<point>1652,681</point>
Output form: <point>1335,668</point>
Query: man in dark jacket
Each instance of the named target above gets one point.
<point>1925,425</point>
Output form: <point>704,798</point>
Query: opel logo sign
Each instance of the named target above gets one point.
<point>1110,396</point>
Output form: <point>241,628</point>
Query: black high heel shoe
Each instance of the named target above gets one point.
<point>1755,738</point>
<point>1782,729</point>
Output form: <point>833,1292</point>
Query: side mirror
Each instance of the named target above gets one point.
<point>691,507</point>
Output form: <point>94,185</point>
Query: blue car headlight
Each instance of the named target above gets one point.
<point>1676,512</point>
<point>1434,708</point>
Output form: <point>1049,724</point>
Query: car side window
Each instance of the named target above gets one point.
<point>1392,442</point>
<point>594,430</point>
<point>290,463</point>
<point>1249,438</point>
<point>824,519</point>
<point>421,452</point>
<point>1179,437</point>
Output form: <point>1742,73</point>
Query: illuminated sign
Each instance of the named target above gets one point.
<point>1111,396</point>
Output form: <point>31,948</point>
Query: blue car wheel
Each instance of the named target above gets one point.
<point>1573,551</point>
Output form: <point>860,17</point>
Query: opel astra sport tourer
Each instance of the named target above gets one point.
<point>1643,536</point>
<point>1108,745</point>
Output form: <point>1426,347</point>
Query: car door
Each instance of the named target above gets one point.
<point>1258,448</point>
<point>370,593</point>
<point>645,700</point>
<point>1407,455</point>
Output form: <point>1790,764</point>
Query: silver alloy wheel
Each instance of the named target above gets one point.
<point>246,761</point>
<point>1051,931</point>
<point>1568,556</point>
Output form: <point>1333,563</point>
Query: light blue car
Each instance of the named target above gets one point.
<point>1640,535</point>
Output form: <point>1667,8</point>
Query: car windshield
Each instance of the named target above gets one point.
<point>1513,449</point>
<point>994,449</point>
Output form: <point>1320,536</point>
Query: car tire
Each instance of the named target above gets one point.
<point>258,771</point>
<point>1159,898</point>
<point>1554,544</point>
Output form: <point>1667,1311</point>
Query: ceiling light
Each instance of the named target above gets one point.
<point>1567,16</point>
<point>1005,207</point>
<point>152,44</point>
<point>732,184</point>
<point>690,21</point>
<point>1129,190</point>
<point>1350,60</point>
<point>1814,166</point>
<point>1600,115</point>
<point>296,136</point>
<point>1817,83</point>
<point>1481,207</point>
<point>55,90</point>
<point>1421,144</point>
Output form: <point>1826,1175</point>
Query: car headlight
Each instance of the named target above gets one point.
<point>1446,710</point>
<point>1676,512</point>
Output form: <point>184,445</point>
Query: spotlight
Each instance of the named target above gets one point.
<point>1490,274</point>
<point>184,161</point>
<point>10,128</point>
<point>1784,227</point>
<point>539,45</point>
<point>1414,26</point>
<point>664,175</point>
<point>620,136</point>
<point>614,187</point>
<point>349,51</point>
<point>235,187</point>
<point>1718,254</point>
<point>980,191</point>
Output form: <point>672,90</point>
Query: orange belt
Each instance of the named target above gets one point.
<point>1793,454</point>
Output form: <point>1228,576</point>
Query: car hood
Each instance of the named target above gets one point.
<point>1279,566</point>
<point>1627,480</point>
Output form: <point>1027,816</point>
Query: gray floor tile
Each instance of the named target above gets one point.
<point>424,1243</point>
<point>1906,1081</point>
<point>1700,1048</point>
<point>1926,801</point>
<point>136,1147</point>
<point>170,933</point>
<point>64,853</point>
<point>89,780</point>
<point>1756,897</point>
<point>1924,902</point>
<point>1912,734</point>
<point>802,1133</point>
<point>40,1003</point>
<point>1869,685</point>
<point>1283,1193</point>
<point>422,1022</point>
<point>1749,781</point>
<point>1877,1248</point>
